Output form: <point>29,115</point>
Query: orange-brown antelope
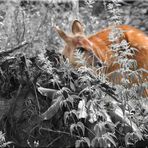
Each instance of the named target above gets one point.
<point>99,45</point>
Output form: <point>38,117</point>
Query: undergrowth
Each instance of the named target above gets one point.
<point>45,102</point>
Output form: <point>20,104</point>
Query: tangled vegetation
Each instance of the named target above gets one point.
<point>44,101</point>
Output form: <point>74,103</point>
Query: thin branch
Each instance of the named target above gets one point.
<point>60,132</point>
<point>51,143</point>
<point>6,53</point>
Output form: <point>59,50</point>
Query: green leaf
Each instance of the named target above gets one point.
<point>52,110</point>
<point>47,92</point>
<point>72,86</point>
<point>81,126</point>
<point>72,128</point>
<point>64,103</point>
<point>87,141</point>
<point>82,140</point>
<point>102,142</point>
<point>99,142</point>
<point>138,135</point>
<point>74,112</point>
<point>78,143</point>
<point>108,136</point>
<point>128,136</point>
<point>94,141</point>
<point>66,116</point>
<point>99,129</point>
<point>70,99</point>
<point>111,126</point>
<point>82,111</point>
<point>7,143</point>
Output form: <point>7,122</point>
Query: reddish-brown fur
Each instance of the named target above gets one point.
<point>99,45</point>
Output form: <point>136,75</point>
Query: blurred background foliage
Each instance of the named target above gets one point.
<point>34,21</point>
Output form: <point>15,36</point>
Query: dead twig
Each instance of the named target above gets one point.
<point>6,53</point>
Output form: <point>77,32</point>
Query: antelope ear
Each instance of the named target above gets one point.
<point>61,33</point>
<point>77,27</point>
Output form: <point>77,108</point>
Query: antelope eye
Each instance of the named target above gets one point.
<point>81,49</point>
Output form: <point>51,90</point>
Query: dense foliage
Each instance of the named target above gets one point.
<point>44,101</point>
